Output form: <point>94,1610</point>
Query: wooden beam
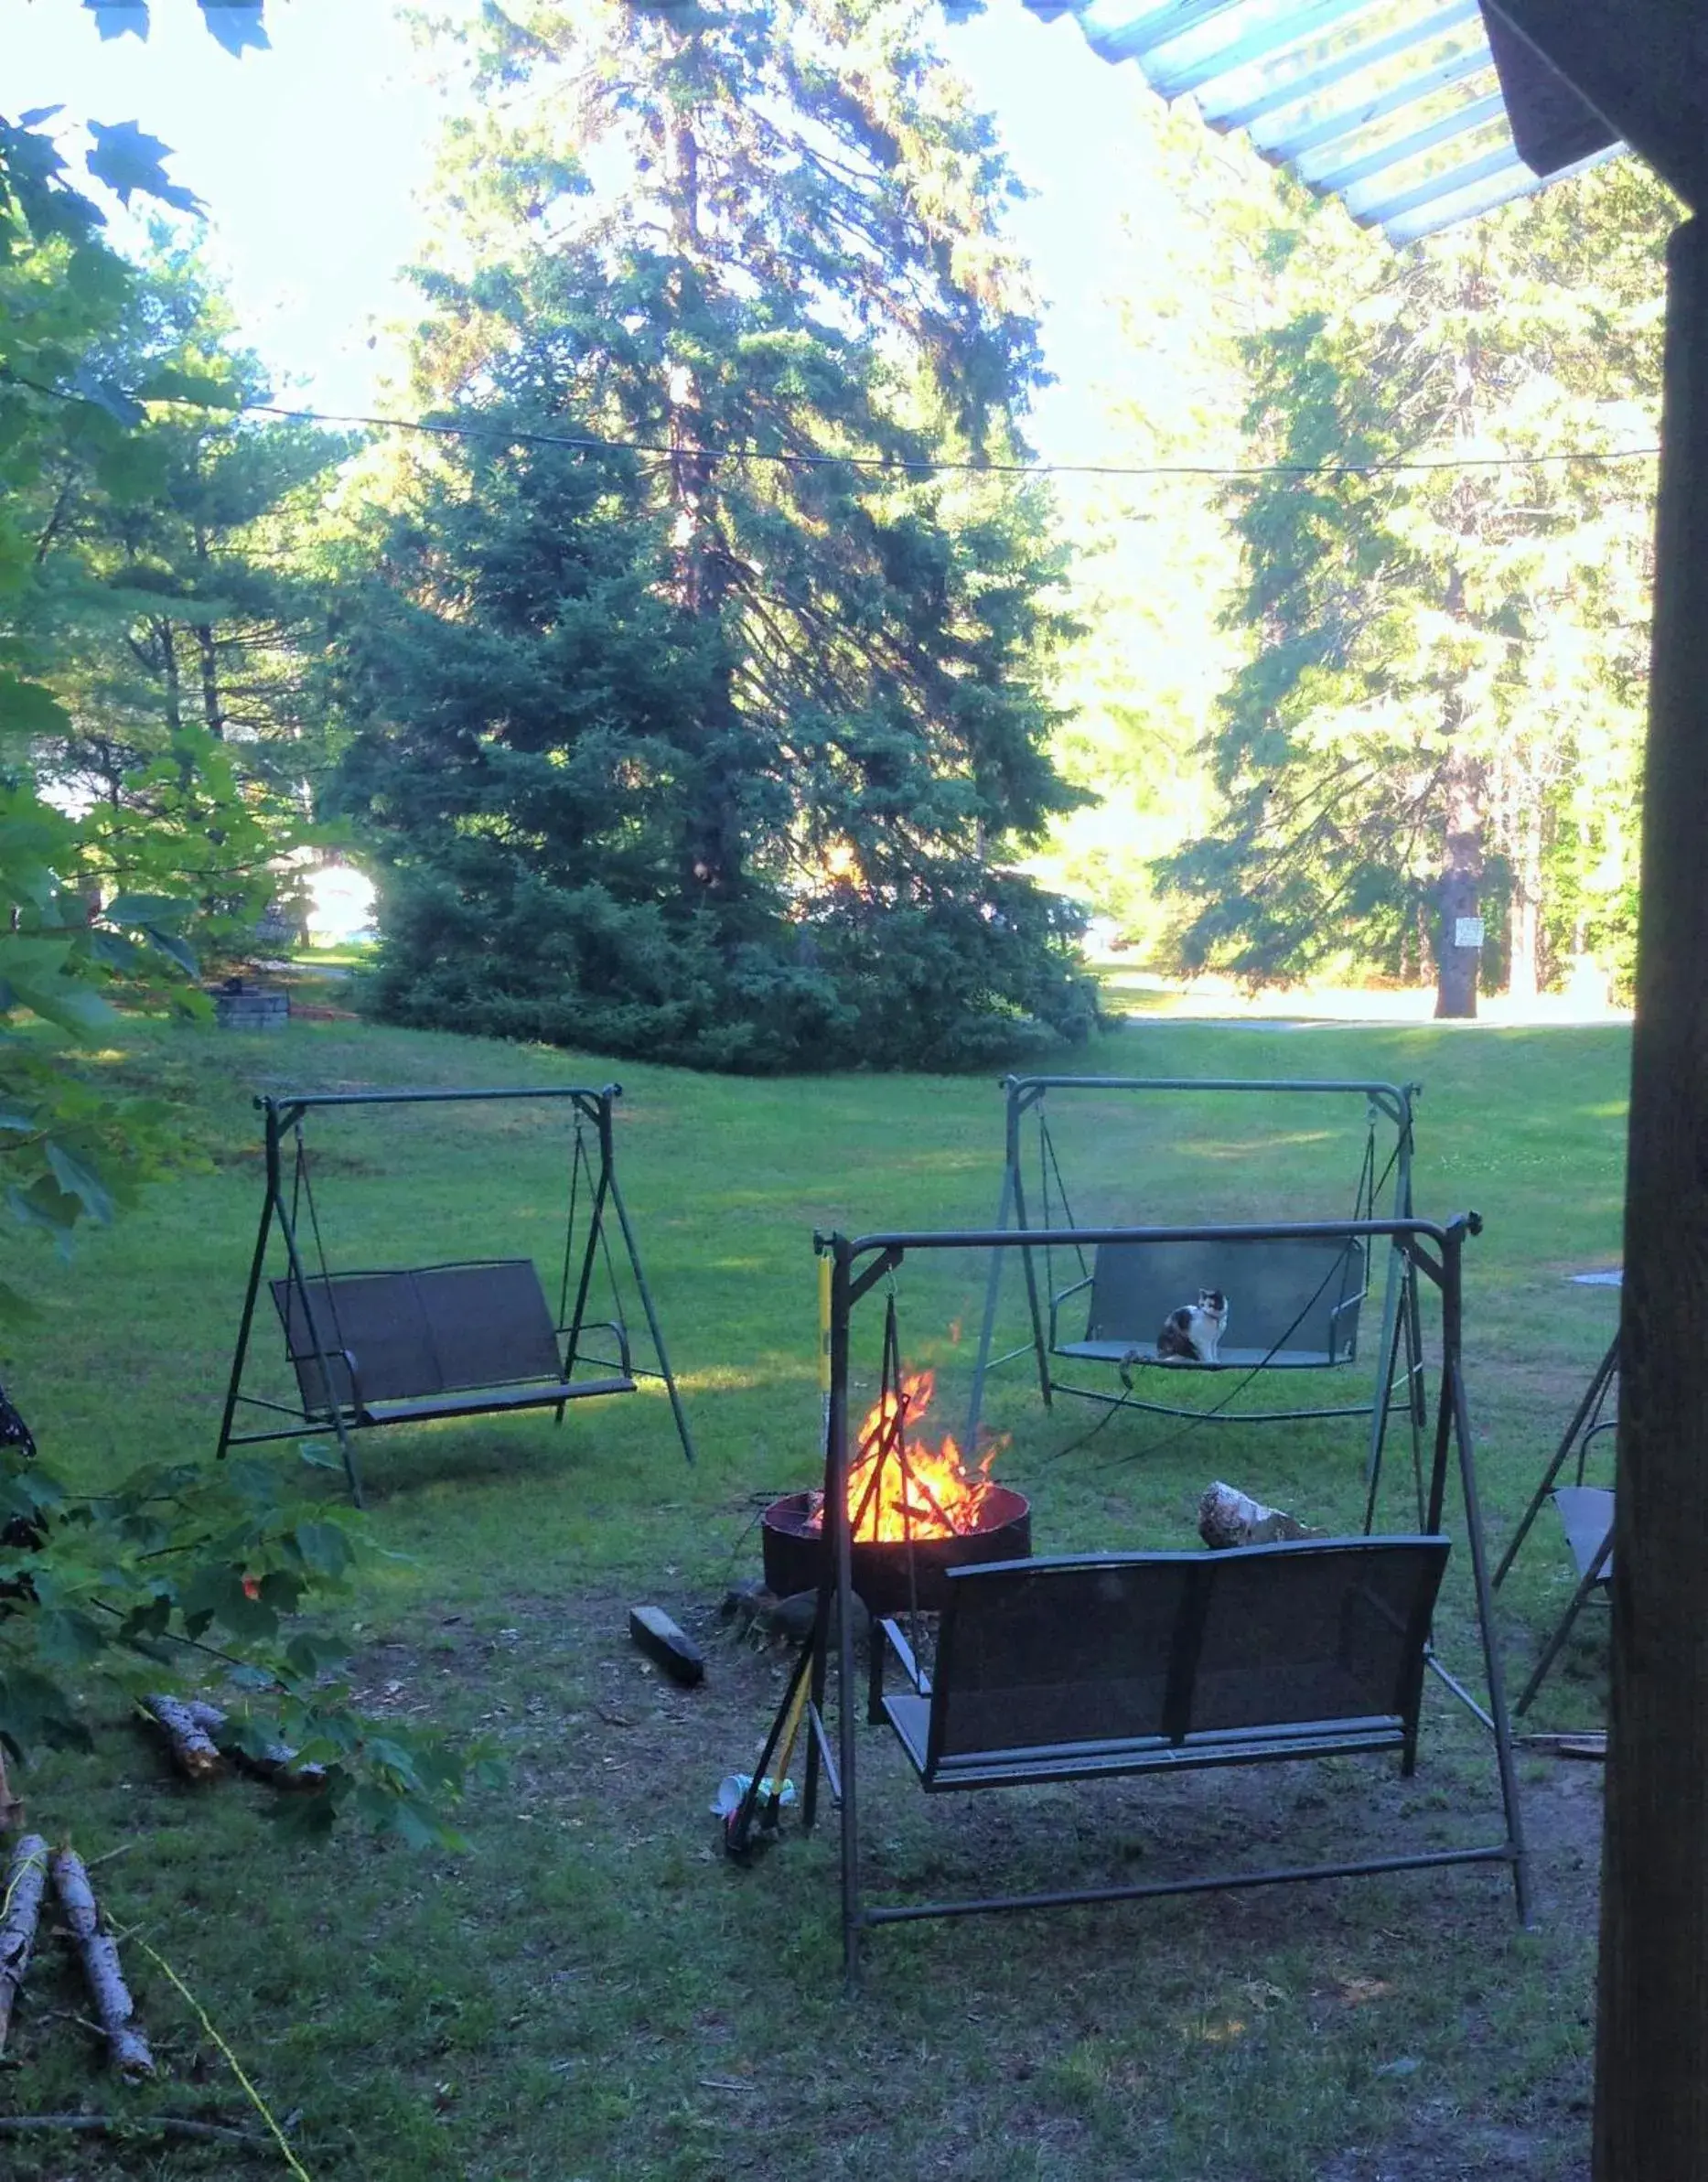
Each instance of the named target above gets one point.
<point>1651,2073</point>
<point>1642,65</point>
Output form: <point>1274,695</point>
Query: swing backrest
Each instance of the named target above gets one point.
<point>1292,1294</point>
<point>1085,1662</point>
<point>432,1329</point>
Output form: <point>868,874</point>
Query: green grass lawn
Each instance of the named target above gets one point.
<point>593,1990</point>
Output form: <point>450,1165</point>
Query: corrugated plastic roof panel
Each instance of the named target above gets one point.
<point>1392,105</point>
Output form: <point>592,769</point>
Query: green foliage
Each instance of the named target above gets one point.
<point>69,1151</point>
<point>115,532</point>
<point>1441,714</point>
<point>179,1566</point>
<point>138,831</point>
<point>237,25</point>
<point>659,749</point>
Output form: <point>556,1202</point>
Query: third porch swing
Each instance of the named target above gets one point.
<point>1295,1302</point>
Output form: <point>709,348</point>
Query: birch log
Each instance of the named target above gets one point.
<point>194,1751</point>
<point>100,1954</point>
<point>20,1911</point>
<point>277,1763</point>
<point>1228,1517</point>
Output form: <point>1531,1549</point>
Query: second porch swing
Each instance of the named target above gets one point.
<point>1295,1302</point>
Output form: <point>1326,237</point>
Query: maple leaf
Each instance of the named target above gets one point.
<point>127,159</point>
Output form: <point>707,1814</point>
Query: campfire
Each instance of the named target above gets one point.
<point>900,1488</point>
<point>914,1510</point>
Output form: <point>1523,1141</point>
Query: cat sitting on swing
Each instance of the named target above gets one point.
<point>1193,1333</point>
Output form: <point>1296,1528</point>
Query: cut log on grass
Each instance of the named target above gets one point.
<point>277,1763</point>
<point>659,1637</point>
<point>194,1752</point>
<point>20,1912</point>
<point>99,1953</point>
<point>1228,1517</point>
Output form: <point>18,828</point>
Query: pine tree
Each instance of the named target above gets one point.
<point>754,252</point>
<point>1444,659</point>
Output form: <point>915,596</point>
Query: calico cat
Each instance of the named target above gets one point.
<point>1194,1332</point>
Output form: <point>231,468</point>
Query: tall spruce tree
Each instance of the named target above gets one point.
<point>708,738</point>
<point>1438,723</point>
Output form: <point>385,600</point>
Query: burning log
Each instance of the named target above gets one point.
<point>20,1911</point>
<point>194,1751</point>
<point>899,1489</point>
<point>100,1954</point>
<point>914,1512</point>
<point>1227,1517</point>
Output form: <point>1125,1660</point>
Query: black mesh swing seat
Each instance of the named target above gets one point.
<point>1295,1289</point>
<point>1112,1664</point>
<point>433,1341</point>
<point>1295,1301</point>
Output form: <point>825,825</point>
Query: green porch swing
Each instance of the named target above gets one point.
<point>1297,1301</point>
<point>418,1344</point>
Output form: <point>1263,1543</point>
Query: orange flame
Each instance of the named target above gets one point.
<point>933,1495</point>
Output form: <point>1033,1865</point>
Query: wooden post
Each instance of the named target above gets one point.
<point>1651,2091</point>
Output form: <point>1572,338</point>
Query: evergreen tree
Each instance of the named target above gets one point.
<point>708,740</point>
<point>1440,719</point>
<point>180,624</point>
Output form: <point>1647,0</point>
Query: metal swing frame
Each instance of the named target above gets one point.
<point>308,1299</point>
<point>859,1264</point>
<point>1399,1361</point>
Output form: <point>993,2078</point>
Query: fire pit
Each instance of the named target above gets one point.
<point>792,1531</point>
<point>916,1512</point>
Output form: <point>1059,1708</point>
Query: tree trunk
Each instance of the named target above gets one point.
<point>712,852</point>
<point>1524,916</point>
<point>1461,887</point>
<point>1651,2061</point>
<point>213,712</point>
<point>1527,769</point>
<point>168,660</point>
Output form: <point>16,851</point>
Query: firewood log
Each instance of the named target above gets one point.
<point>1228,1517</point>
<point>194,1751</point>
<point>20,1910</point>
<point>658,1635</point>
<point>277,1763</point>
<point>100,1955</point>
